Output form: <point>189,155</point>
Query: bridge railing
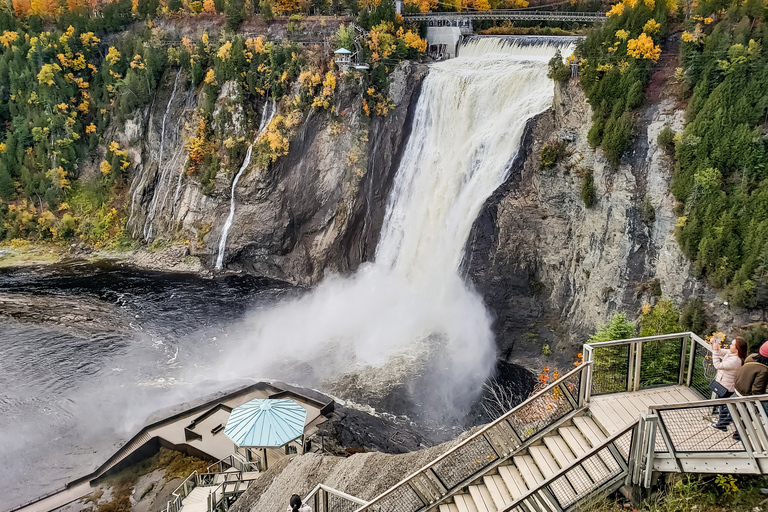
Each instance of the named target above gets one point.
<point>604,467</point>
<point>487,448</point>
<point>639,363</point>
<point>510,14</point>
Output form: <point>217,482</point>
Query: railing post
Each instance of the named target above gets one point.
<point>651,445</point>
<point>632,348</point>
<point>689,378</point>
<point>681,373</point>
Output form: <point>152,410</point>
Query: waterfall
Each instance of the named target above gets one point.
<point>408,319</point>
<point>162,170</point>
<point>265,120</point>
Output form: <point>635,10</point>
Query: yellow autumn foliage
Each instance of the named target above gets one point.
<point>643,48</point>
<point>113,56</point>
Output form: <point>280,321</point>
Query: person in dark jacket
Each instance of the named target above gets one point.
<point>752,377</point>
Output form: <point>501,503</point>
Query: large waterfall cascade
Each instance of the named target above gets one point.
<point>409,312</point>
<point>266,117</point>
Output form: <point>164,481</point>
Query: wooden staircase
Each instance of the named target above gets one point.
<point>529,469</point>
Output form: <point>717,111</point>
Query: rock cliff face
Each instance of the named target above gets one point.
<point>551,269</point>
<point>318,209</point>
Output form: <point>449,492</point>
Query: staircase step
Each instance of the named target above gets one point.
<point>499,492</point>
<point>531,473</point>
<point>595,467</point>
<point>513,480</point>
<point>596,437</point>
<point>465,503</point>
<point>482,498</point>
<point>448,507</point>
<point>590,430</point>
<point>544,460</point>
<point>559,450</point>
<point>576,442</point>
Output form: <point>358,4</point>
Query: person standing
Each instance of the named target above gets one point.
<point>752,377</point>
<point>297,506</point>
<point>728,361</point>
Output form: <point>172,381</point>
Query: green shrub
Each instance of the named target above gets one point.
<point>693,317</point>
<point>559,71</point>
<point>666,139</point>
<point>551,153</point>
<point>647,211</point>
<point>588,189</point>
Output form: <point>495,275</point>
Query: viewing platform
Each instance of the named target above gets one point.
<point>634,409</point>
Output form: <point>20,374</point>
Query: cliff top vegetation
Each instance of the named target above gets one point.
<point>71,74</point>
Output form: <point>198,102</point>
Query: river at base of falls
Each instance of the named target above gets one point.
<point>72,392</point>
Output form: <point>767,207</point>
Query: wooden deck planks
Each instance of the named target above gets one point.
<point>513,480</point>
<point>464,503</point>
<point>498,490</point>
<point>482,498</point>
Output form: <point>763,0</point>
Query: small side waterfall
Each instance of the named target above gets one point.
<point>408,319</point>
<point>228,224</point>
<point>141,184</point>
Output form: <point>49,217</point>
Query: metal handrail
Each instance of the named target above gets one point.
<point>331,490</point>
<point>642,339</point>
<point>610,440</point>
<point>709,403</point>
<point>582,368</point>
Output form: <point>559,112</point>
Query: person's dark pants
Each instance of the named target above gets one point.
<point>724,417</point>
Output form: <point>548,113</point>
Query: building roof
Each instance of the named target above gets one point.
<point>343,51</point>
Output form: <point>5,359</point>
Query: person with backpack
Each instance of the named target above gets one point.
<point>752,377</point>
<point>297,506</point>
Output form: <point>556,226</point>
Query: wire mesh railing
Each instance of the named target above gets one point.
<point>641,363</point>
<point>702,371</point>
<point>661,361</point>
<point>605,465</point>
<point>328,499</point>
<point>487,447</point>
<point>610,367</point>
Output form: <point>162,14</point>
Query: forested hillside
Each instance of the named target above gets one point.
<point>720,158</point>
<point>69,74</point>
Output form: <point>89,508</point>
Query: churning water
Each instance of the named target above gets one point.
<point>70,394</point>
<point>404,325</point>
<point>407,322</point>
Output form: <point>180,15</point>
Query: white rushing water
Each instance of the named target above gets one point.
<point>162,170</point>
<point>408,318</point>
<point>265,120</point>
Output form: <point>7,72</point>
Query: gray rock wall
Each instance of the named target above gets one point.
<point>551,269</point>
<point>317,209</point>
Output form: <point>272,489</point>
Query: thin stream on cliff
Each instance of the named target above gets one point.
<point>265,120</point>
<point>407,322</point>
<point>164,171</point>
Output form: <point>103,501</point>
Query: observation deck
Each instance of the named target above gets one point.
<point>634,408</point>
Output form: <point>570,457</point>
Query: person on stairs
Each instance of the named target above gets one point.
<point>728,361</point>
<point>752,377</point>
<point>297,506</point>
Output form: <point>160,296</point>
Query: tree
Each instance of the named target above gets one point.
<point>619,328</point>
<point>659,319</point>
<point>148,8</point>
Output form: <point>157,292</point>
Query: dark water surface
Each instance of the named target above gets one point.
<point>72,394</point>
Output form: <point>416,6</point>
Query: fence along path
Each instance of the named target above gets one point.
<point>635,406</point>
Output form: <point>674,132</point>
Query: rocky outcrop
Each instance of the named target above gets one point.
<point>317,209</point>
<point>551,269</point>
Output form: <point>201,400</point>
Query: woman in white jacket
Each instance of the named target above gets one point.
<point>297,506</point>
<point>727,361</point>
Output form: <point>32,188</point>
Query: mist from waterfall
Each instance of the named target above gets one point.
<point>407,320</point>
<point>266,117</point>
